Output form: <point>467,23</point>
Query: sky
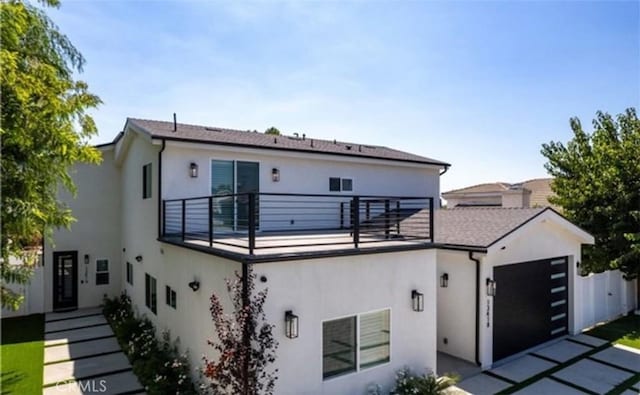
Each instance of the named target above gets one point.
<point>480,85</point>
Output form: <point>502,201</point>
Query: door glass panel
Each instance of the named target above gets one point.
<point>222,184</point>
<point>247,181</point>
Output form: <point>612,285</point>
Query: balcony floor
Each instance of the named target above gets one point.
<point>292,243</point>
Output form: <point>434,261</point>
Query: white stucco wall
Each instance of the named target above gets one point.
<point>457,304</point>
<point>323,289</point>
<point>96,232</point>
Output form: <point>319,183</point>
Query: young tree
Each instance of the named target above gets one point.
<point>44,131</point>
<point>597,183</point>
<point>244,342</point>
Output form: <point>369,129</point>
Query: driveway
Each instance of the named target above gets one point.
<point>82,356</point>
<point>577,365</point>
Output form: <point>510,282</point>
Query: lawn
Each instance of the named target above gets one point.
<point>625,330</point>
<point>22,354</point>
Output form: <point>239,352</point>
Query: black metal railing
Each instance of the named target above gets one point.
<point>253,221</point>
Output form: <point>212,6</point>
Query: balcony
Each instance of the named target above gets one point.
<point>276,225</point>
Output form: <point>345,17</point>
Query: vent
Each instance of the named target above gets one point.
<point>212,129</point>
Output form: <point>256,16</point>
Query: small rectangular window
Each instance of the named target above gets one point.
<point>334,184</point>
<point>150,299</point>
<point>129,273</point>
<point>146,181</point>
<point>347,184</point>
<point>171,297</point>
<point>338,347</point>
<point>102,271</point>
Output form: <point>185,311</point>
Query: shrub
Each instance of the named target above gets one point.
<point>158,365</point>
<point>427,384</point>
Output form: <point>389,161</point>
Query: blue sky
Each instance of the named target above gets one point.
<point>478,84</point>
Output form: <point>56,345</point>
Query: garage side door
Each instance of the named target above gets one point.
<point>530,306</point>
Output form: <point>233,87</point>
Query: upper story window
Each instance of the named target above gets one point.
<point>337,184</point>
<point>146,181</point>
<point>129,273</point>
<point>345,349</point>
<point>151,298</point>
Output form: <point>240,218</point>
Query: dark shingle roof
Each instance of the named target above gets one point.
<point>479,227</point>
<point>213,135</point>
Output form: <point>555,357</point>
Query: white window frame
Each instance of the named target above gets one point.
<point>357,345</point>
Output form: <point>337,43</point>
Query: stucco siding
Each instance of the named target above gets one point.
<point>324,289</point>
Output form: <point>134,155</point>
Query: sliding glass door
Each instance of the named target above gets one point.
<point>231,213</point>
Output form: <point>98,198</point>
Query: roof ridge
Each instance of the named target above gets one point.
<point>502,184</point>
<point>191,125</point>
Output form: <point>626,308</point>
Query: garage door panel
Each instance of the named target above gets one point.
<point>530,306</point>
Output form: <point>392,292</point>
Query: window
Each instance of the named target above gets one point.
<point>150,299</point>
<point>129,273</point>
<point>102,271</point>
<point>334,184</point>
<point>146,181</point>
<point>347,184</point>
<point>171,297</point>
<point>344,350</point>
<point>337,184</point>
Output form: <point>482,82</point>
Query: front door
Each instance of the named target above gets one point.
<point>65,280</point>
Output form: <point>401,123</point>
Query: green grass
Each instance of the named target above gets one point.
<point>22,354</point>
<point>625,330</point>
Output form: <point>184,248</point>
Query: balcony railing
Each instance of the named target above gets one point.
<point>285,222</point>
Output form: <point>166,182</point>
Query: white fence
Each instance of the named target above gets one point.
<point>603,297</point>
<point>33,295</point>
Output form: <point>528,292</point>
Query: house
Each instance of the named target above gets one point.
<point>531,193</point>
<point>345,236</point>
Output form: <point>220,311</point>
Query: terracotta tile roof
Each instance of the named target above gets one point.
<point>540,191</point>
<point>214,135</point>
<point>479,227</point>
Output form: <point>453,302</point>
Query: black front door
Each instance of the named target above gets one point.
<point>65,280</point>
<point>530,306</point>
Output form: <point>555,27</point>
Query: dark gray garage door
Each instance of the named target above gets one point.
<point>530,306</point>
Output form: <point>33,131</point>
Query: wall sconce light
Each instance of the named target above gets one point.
<point>139,258</point>
<point>491,287</point>
<point>194,285</point>
<point>444,280</point>
<point>290,324</point>
<point>275,175</point>
<point>86,259</point>
<point>193,170</point>
<point>417,301</point>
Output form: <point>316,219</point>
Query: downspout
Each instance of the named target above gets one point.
<point>446,168</point>
<point>477,261</point>
<point>160,219</point>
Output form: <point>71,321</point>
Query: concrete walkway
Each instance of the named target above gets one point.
<point>82,356</point>
<point>577,365</point>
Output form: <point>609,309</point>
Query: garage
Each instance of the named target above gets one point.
<point>508,281</point>
<point>530,305</point>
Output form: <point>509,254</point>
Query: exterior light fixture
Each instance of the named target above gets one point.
<point>275,174</point>
<point>194,285</point>
<point>444,280</point>
<point>139,258</point>
<point>86,259</point>
<point>193,170</point>
<point>417,300</point>
<point>290,324</point>
<point>491,287</point>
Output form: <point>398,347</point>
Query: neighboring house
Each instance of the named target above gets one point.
<point>345,236</point>
<point>532,193</point>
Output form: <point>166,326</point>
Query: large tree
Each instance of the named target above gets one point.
<point>597,183</point>
<point>44,129</point>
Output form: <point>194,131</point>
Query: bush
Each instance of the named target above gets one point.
<point>409,384</point>
<point>158,365</point>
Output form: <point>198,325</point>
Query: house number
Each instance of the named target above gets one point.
<point>488,310</point>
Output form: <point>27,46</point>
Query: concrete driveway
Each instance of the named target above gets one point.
<point>576,365</point>
<point>82,356</point>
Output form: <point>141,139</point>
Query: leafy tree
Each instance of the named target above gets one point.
<point>245,343</point>
<point>273,131</point>
<point>597,183</point>
<point>44,131</point>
